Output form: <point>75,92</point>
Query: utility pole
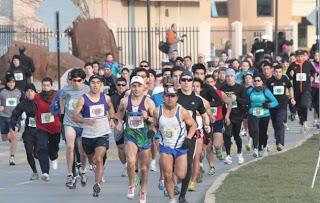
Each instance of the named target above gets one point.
<point>276,30</point>
<point>149,32</point>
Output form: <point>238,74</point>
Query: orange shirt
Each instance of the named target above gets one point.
<point>171,37</point>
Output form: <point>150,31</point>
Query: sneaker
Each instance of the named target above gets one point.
<point>45,177</point>
<point>286,127</point>
<point>161,185</point>
<point>12,161</point>
<point>172,200</point>
<point>143,197</point>
<point>71,182</point>
<point>96,190</point>
<point>54,164</point>
<point>279,148</point>
<point>182,200</point>
<point>176,189</point>
<point>228,160</point>
<point>192,186</point>
<point>131,190</point>
<point>265,152</point>
<point>153,165</point>
<point>34,176</point>
<point>248,147</point>
<point>212,171</point>
<point>83,179</point>
<point>240,159</point>
<point>255,153</point>
<point>124,172</point>
<point>219,154</point>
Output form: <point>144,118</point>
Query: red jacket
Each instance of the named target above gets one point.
<point>44,119</point>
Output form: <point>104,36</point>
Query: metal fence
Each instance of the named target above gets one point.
<point>133,44</point>
<point>36,36</point>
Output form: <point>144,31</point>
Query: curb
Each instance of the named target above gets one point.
<point>210,194</point>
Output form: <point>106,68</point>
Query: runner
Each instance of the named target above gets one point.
<point>97,116</point>
<point>68,101</point>
<point>9,99</point>
<point>139,110</point>
<point>278,85</point>
<point>29,135</point>
<point>48,129</point>
<point>261,100</point>
<point>173,121</point>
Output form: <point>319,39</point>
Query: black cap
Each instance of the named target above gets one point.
<point>10,77</point>
<point>186,73</point>
<point>299,52</point>
<point>30,86</point>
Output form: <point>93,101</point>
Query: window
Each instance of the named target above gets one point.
<point>219,8</point>
<point>264,8</point>
<point>6,8</point>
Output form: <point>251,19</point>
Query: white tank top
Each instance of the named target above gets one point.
<point>172,130</point>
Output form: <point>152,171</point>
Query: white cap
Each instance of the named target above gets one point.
<point>137,79</point>
<point>265,37</point>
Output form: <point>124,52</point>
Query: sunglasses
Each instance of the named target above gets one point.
<point>144,66</point>
<point>257,80</point>
<point>186,79</point>
<point>122,85</point>
<point>75,80</point>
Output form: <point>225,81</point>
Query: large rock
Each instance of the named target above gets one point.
<point>92,39</point>
<point>45,62</point>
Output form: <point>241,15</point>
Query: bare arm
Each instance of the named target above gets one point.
<point>61,104</point>
<point>76,117</point>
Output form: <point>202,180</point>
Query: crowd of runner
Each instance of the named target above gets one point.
<point>187,112</point>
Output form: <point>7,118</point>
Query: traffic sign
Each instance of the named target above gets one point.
<point>67,10</point>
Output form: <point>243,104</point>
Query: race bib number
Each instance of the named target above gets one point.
<point>96,110</point>
<point>214,111</point>
<point>136,122</point>
<point>32,122</point>
<point>11,102</point>
<point>278,90</point>
<point>72,104</point>
<point>258,111</point>
<point>47,118</point>
<point>18,76</point>
<point>301,77</point>
<point>168,133</point>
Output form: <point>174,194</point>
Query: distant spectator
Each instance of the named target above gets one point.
<point>95,66</point>
<point>113,65</point>
<point>20,72</point>
<point>144,64</point>
<point>27,62</point>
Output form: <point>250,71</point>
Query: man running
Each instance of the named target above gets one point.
<point>138,109</point>
<point>97,116</point>
<point>68,101</point>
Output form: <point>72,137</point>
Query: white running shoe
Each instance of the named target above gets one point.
<point>143,197</point>
<point>153,165</point>
<point>255,153</point>
<point>228,160</point>
<point>240,158</point>
<point>131,191</point>
<point>45,177</point>
<point>54,164</point>
<point>173,200</point>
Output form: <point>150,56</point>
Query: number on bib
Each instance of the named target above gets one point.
<point>301,77</point>
<point>47,118</point>
<point>32,122</point>
<point>96,110</point>
<point>214,111</point>
<point>258,111</point>
<point>11,101</point>
<point>278,90</point>
<point>18,76</point>
<point>136,122</point>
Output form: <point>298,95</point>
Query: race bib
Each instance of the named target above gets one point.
<point>135,122</point>
<point>106,89</point>
<point>96,110</point>
<point>258,111</point>
<point>11,102</point>
<point>301,77</point>
<point>214,111</point>
<point>47,118</point>
<point>168,133</point>
<point>72,104</point>
<point>278,90</point>
<point>32,122</point>
<point>18,76</point>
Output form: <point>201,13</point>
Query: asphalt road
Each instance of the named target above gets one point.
<point>15,186</point>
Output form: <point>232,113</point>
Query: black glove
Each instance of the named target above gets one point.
<point>186,143</point>
<point>266,105</point>
<point>150,134</point>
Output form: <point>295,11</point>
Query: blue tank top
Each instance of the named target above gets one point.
<point>92,109</point>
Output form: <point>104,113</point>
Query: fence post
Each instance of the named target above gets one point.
<point>294,27</point>
<point>268,30</point>
<point>236,43</point>
<point>204,39</point>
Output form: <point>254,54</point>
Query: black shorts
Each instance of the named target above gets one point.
<point>90,144</point>
<point>217,127</point>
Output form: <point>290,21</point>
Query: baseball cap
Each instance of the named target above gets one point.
<point>30,86</point>
<point>230,72</point>
<point>137,79</point>
<point>170,91</point>
<point>10,77</point>
<point>96,76</point>
<point>186,73</point>
<point>299,52</point>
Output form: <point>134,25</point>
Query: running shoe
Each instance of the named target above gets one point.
<point>12,161</point>
<point>219,154</point>
<point>279,148</point>
<point>71,182</point>
<point>131,190</point>
<point>153,165</point>
<point>255,153</point>
<point>192,187</point>
<point>228,160</point>
<point>45,177</point>
<point>161,185</point>
<point>143,197</point>
<point>173,200</point>
<point>34,176</point>
<point>212,171</point>
<point>84,179</point>
<point>96,190</point>
<point>54,164</point>
<point>240,159</point>
<point>176,189</point>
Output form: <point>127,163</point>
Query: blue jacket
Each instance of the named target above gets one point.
<point>258,98</point>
